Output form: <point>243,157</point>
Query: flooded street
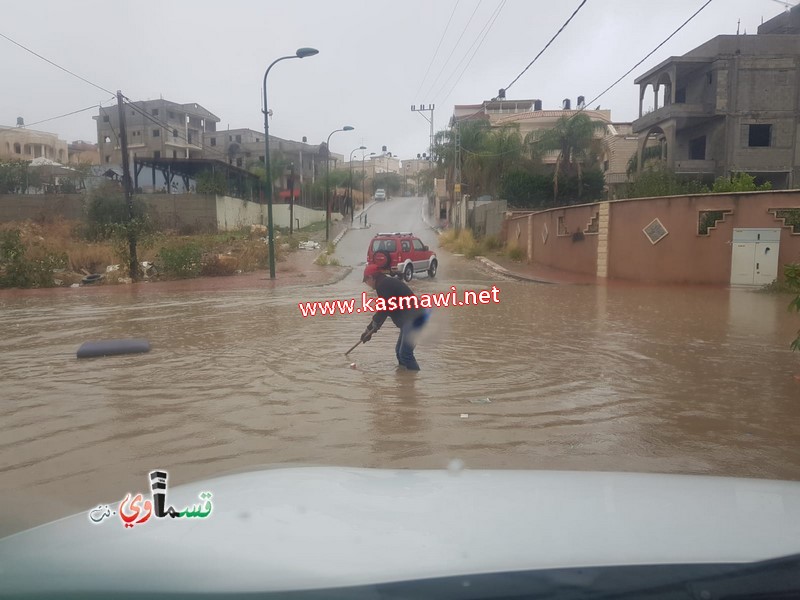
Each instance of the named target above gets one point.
<point>617,377</point>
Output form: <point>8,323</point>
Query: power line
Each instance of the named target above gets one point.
<point>436,52</point>
<point>487,28</point>
<point>651,53</point>
<point>430,89</point>
<point>74,112</point>
<point>47,60</point>
<point>547,45</point>
<point>167,126</point>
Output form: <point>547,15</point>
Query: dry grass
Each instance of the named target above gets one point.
<point>466,244</point>
<point>223,253</point>
<point>515,253</point>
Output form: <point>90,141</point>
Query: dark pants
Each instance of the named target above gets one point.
<point>407,341</point>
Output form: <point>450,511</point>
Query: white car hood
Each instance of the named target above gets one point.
<point>316,527</point>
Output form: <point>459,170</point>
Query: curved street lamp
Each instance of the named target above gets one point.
<point>301,53</point>
<point>328,178</point>
<point>352,202</point>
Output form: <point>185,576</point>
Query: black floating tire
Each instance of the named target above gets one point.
<point>91,279</point>
<point>113,347</point>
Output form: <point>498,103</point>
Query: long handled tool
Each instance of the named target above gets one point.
<point>353,348</point>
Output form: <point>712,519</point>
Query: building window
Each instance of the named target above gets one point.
<point>238,139</point>
<point>171,114</point>
<point>17,149</point>
<point>709,77</point>
<point>108,159</point>
<point>155,112</point>
<point>239,162</point>
<point>760,136</point>
<point>213,141</point>
<point>156,132</point>
<point>258,140</point>
<point>697,148</point>
<point>174,133</point>
<point>680,96</point>
<point>157,154</point>
<point>230,138</point>
<point>105,118</point>
<point>174,154</point>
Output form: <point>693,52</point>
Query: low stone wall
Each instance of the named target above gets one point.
<point>609,239</point>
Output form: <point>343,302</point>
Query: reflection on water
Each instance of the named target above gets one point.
<point>578,377</point>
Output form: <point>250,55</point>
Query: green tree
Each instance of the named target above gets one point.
<point>662,182</point>
<point>739,182</point>
<point>108,219</point>
<point>651,157</point>
<point>524,189</point>
<point>391,182</point>
<point>572,137</point>
<point>209,182</point>
<point>16,177</point>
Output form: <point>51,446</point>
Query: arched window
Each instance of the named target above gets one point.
<point>17,149</point>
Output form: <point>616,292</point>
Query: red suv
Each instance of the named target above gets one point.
<point>403,253</point>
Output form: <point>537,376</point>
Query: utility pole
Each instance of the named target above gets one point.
<point>423,109</point>
<point>457,175</point>
<point>126,184</point>
<point>291,198</point>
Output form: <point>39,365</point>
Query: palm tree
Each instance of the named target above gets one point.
<point>573,138</point>
<point>487,154</point>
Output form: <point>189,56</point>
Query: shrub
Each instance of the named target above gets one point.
<point>180,259</point>
<point>515,253</point>
<point>219,265</point>
<point>27,267</point>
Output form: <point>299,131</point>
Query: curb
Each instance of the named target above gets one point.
<point>503,271</point>
<point>347,271</point>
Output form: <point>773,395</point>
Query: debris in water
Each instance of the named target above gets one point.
<point>464,415</point>
<point>352,365</point>
<point>481,401</point>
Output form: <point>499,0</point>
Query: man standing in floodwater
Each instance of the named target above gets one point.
<point>408,317</point>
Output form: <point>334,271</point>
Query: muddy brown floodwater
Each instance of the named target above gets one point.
<point>626,378</point>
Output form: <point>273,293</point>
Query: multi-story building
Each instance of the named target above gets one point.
<point>26,144</point>
<point>244,148</point>
<point>616,142</point>
<point>84,152</point>
<point>156,129</point>
<point>730,105</point>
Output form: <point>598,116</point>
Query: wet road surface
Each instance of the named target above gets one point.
<point>630,378</point>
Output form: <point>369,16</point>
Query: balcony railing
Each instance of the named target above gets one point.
<point>670,111</point>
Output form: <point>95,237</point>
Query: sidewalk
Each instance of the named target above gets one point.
<point>536,273</point>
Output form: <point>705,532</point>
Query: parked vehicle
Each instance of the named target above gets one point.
<point>380,195</point>
<point>403,253</point>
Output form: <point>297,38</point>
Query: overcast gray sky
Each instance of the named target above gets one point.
<point>372,64</point>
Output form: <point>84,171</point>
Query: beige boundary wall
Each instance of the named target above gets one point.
<point>608,239</point>
<point>173,210</point>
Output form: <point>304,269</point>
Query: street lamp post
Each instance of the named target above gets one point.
<point>353,202</point>
<point>301,53</point>
<point>328,182</point>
